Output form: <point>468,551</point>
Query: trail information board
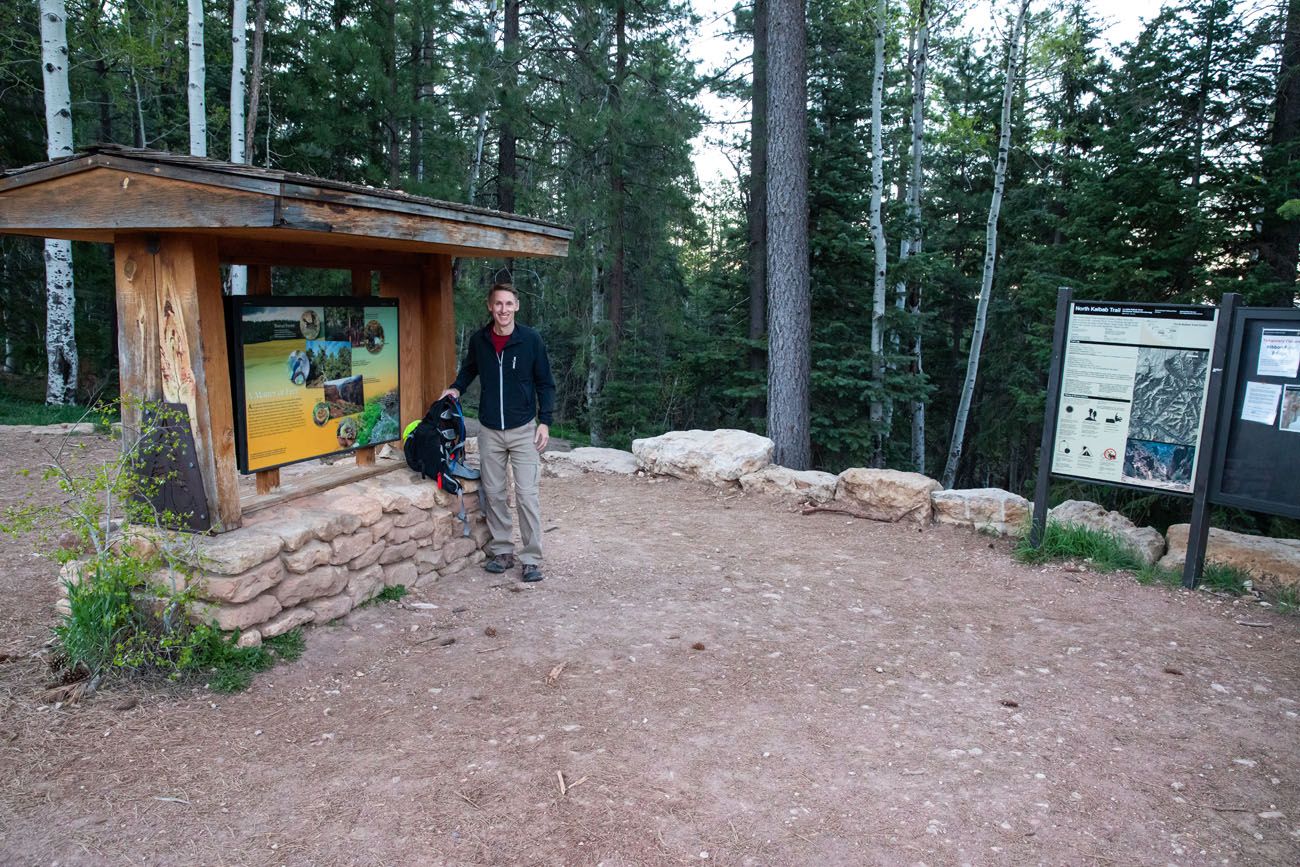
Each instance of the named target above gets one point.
<point>1133,389</point>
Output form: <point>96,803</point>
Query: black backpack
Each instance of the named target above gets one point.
<point>436,443</point>
<point>435,448</point>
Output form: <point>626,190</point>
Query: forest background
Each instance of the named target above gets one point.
<point>1159,169</point>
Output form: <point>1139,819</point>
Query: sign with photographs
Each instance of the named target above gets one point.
<point>312,377</point>
<point>1133,390</point>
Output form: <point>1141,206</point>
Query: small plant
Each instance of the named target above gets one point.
<point>130,595</point>
<point>1286,600</point>
<point>1104,551</point>
<point>1225,579</point>
<point>1153,574</point>
<point>232,667</point>
<point>388,594</point>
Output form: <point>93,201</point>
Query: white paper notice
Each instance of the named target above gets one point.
<point>1261,402</point>
<point>1279,353</point>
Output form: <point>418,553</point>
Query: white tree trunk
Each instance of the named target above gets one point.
<point>60,322</point>
<point>878,298</point>
<point>238,70</point>
<point>198,78</point>
<point>990,255</point>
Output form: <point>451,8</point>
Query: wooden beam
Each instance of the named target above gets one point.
<point>103,198</point>
<point>488,240</point>
<point>438,326</point>
<point>404,285</point>
<point>304,254</point>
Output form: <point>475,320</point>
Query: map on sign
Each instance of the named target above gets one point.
<point>1133,387</point>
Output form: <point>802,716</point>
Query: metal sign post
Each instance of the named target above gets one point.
<point>1199,531</point>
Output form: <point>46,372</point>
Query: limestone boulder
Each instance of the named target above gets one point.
<point>329,608</point>
<point>314,553</point>
<point>243,587</point>
<point>427,560</point>
<point>371,555</point>
<point>294,529</point>
<point>331,524</point>
<point>232,617</point>
<point>982,509</point>
<point>366,584</point>
<point>812,485</point>
<point>1146,543</point>
<point>887,495</point>
<point>716,456</point>
<point>347,548</point>
<point>457,549</point>
<point>390,498</point>
<point>1272,562</point>
<point>397,553</point>
<point>417,491</point>
<point>321,581</point>
<point>286,620</point>
<point>411,518</point>
<point>236,552</point>
<point>589,460</point>
<point>403,573</point>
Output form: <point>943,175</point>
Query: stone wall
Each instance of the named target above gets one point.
<point>315,558</point>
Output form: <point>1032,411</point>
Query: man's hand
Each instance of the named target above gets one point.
<point>542,437</point>
<point>453,392</point>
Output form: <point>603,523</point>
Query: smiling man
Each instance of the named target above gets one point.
<point>518,398</point>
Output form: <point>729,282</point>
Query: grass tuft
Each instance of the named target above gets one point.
<point>388,594</point>
<point>1104,551</point>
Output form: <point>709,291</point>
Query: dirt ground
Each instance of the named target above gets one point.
<point>717,679</point>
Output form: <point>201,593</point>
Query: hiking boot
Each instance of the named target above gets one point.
<point>533,572</point>
<point>499,563</point>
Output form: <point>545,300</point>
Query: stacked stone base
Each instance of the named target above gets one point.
<point>314,559</point>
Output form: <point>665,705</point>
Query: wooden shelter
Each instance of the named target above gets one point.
<point>174,220</point>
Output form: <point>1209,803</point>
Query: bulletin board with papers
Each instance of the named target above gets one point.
<point>1257,456</point>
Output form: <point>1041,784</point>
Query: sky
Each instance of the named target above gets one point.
<point>710,51</point>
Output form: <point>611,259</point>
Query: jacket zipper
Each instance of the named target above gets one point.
<point>501,385</point>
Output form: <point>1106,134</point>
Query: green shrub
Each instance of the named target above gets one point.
<point>388,594</point>
<point>1224,578</point>
<point>120,621</point>
<point>1105,551</point>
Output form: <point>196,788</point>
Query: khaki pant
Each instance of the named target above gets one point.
<point>514,448</point>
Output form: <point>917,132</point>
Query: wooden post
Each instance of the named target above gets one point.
<point>361,288</point>
<point>259,279</point>
<point>259,283</point>
<point>404,285</point>
<point>267,480</point>
<point>168,296</point>
<point>438,327</point>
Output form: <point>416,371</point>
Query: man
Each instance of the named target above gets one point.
<point>518,399</point>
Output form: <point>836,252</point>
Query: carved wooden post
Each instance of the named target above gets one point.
<point>438,327</point>
<point>172,348</point>
<point>404,285</point>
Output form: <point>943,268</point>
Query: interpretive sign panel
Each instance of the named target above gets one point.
<point>1133,387</point>
<point>312,377</point>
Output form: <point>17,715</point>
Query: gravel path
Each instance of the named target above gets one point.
<point>704,677</point>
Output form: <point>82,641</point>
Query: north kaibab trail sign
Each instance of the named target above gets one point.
<point>1134,380</point>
